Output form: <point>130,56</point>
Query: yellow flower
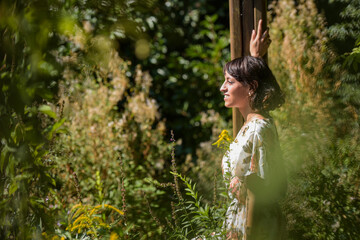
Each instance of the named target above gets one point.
<point>115,209</point>
<point>223,137</point>
<point>79,211</point>
<point>114,236</point>
<point>75,206</point>
<point>106,206</point>
<point>81,219</point>
<point>85,218</point>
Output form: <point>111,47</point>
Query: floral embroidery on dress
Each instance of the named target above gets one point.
<point>245,129</point>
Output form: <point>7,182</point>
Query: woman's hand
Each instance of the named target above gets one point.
<point>233,184</point>
<point>259,42</point>
<point>238,189</point>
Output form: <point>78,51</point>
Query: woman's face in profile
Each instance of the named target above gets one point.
<point>235,93</point>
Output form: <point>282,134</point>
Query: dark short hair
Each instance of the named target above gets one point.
<point>254,72</point>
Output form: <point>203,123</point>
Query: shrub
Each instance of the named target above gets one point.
<point>112,130</point>
<point>322,201</point>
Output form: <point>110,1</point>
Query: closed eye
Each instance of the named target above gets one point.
<point>229,81</point>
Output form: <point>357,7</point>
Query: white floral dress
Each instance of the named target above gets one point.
<point>256,152</point>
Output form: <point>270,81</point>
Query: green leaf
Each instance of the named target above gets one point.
<point>13,187</point>
<point>51,179</point>
<point>55,127</point>
<point>47,110</point>
<point>5,154</point>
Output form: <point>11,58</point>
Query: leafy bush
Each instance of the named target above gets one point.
<point>113,130</point>
<point>322,201</point>
<point>192,217</point>
<point>29,76</point>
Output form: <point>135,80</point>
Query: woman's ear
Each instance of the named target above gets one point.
<point>253,86</point>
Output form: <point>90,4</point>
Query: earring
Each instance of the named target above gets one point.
<point>249,93</point>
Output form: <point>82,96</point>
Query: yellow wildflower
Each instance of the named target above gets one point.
<point>78,212</point>
<point>85,218</point>
<point>106,206</point>
<point>223,137</point>
<point>115,209</point>
<point>82,219</point>
<point>94,209</point>
<point>114,236</point>
<point>75,206</point>
<point>104,225</point>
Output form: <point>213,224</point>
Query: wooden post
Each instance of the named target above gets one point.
<point>260,9</point>
<point>236,49</point>
<point>244,15</point>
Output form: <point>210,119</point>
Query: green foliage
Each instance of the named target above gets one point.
<point>198,219</point>
<point>348,28</point>
<point>114,141</point>
<point>81,123</point>
<point>328,205</point>
<point>187,53</point>
<point>344,37</point>
<point>38,41</point>
<point>297,60</point>
<point>320,149</point>
<point>90,220</point>
<point>208,165</point>
<point>353,59</point>
<point>193,216</point>
<point>29,76</point>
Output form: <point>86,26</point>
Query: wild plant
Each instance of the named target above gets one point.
<point>208,158</point>
<point>114,137</point>
<point>89,220</point>
<point>191,216</point>
<point>316,125</point>
<point>86,221</point>
<point>122,149</point>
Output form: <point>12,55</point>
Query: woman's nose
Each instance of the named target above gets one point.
<point>222,88</point>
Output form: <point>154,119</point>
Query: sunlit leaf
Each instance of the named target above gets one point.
<point>48,111</point>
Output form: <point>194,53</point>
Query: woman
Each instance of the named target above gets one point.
<point>254,163</point>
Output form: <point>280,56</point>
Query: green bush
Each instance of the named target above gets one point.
<point>113,129</point>
<point>28,81</point>
<point>319,150</point>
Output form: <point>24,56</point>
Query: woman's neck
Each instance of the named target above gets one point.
<point>249,115</point>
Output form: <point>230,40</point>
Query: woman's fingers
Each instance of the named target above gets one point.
<point>266,36</point>
<point>259,28</point>
<point>253,35</point>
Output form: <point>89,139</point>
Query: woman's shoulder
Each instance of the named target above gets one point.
<point>262,127</point>
<point>260,124</point>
